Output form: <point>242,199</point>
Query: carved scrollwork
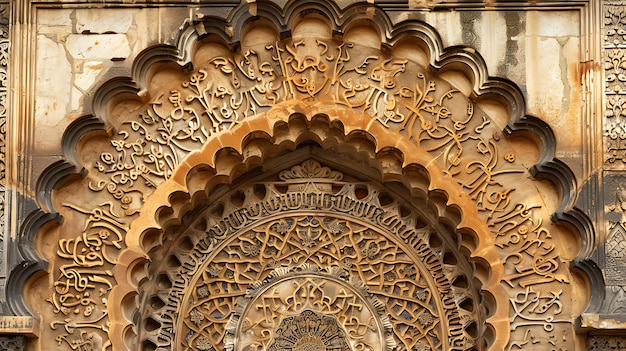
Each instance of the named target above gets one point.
<point>85,279</point>
<point>227,90</point>
<point>615,82</point>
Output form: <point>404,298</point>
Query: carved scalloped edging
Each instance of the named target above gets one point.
<point>72,136</point>
<point>31,262</point>
<point>548,167</point>
<point>596,284</point>
<point>481,85</point>
<point>59,171</point>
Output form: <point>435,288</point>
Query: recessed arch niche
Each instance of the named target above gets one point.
<point>200,124</point>
<point>305,209</point>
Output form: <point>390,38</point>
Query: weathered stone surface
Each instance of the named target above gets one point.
<point>98,46</point>
<point>103,21</point>
<point>53,87</point>
<point>87,76</point>
<point>56,18</point>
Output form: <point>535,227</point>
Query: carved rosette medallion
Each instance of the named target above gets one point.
<point>309,331</point>
<point>354,273</point>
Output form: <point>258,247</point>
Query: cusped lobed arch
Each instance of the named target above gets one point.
<point>460,241</point>
<point>267,83</point>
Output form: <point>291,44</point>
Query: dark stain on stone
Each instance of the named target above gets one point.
<point>515,22</point>
<point>468,20</point>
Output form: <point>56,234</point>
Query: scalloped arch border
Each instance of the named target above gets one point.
<point>168,198</point>
<point>547,168</point>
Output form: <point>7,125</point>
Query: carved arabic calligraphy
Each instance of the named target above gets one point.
<point>81,290</point>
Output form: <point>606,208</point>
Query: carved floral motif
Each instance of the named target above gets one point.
<point>615,26</point>
<point>615,144</point>
<point>615,82</point>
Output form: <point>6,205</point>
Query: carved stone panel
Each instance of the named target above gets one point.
<point>615,82</point>
<point>602,343</point>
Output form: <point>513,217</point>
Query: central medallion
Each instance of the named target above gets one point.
<point>309,308</point>
<point>309,331</point>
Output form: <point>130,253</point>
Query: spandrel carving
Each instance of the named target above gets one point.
<point>227,90</point>
<point>85,279</point>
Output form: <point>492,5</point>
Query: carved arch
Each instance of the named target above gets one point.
<point>123,101</point>
<point>465,235</point>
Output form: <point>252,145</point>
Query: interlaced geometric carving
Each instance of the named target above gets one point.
<point>316,249</point>
<point>12,343</point>
<point>603,343</point>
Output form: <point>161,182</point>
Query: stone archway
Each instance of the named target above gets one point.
<point>380,98</point>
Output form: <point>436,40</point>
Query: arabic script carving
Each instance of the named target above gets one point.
<point>85,279</point>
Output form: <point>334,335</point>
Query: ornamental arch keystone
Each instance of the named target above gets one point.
<point>322,108</point>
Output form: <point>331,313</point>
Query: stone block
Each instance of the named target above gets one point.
<point>98,46</point>
<point>104,21</point>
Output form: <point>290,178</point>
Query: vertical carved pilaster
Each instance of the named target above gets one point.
<point>614,184</point>
<point>615,245</point>
<point>12,343</point>
<point>4,60</point>
<point>614,56</point>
